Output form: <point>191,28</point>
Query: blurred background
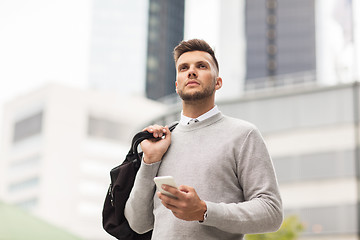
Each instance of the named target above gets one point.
<point>78,78</point>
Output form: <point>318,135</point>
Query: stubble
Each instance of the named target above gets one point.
<point>197,95</point>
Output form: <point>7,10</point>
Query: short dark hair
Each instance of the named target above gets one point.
<point>194,45</point>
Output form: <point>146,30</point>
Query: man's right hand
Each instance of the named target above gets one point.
<point>154,149</point>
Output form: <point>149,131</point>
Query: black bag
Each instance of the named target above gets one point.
<point>122,181</point>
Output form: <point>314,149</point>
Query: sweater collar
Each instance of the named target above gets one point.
<point>209,121</point>
<point>184,119</point>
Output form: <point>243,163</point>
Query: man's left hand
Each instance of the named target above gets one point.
<point>187,205</point>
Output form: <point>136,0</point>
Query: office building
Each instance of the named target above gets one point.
<point>131,45</point>
<point>165,31</point>
<point>280,38</point>
<point>59,145</point>
<point>299,41</point>
<point>272,43</point>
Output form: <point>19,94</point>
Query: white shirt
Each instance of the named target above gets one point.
<point>184,119</point>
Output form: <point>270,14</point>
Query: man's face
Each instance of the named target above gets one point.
<point>196,76</point>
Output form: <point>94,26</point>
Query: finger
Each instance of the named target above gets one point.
<point>156,130</point>
<point>166,132</point>
<point>170,207</point>
<point>168,202</point>
<point>160,130</point>
<point>173,190</point>
<point>185,189</point>
<point>150,128</point>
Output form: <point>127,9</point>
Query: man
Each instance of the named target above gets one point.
<point>227,182</point>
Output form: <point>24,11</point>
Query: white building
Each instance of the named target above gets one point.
<point>59,145</point>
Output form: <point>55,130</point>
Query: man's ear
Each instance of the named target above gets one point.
<point>176,86</point>
<point>218,83</point>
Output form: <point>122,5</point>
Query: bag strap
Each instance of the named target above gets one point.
<point>139,137</point>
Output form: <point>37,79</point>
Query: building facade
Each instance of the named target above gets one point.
<point>59,145</point>
<point>294,42</point>
<point>132,44</point>
<point>280,37</point>
<point>165,31</point>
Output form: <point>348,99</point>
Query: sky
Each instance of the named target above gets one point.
<point>42,41</point>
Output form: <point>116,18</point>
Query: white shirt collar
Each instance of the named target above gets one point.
<point>184,119</point>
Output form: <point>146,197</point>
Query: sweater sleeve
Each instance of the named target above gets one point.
<point>139,207</point>
<point>261,211</point>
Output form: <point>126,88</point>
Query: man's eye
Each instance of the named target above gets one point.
<point>202,66</point>
<point>183,68</point>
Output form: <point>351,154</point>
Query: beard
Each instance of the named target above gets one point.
<point>198,95</point>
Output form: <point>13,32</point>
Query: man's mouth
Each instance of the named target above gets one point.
<point>192,83</point>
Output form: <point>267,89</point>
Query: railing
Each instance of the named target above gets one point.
<point>285,80</point>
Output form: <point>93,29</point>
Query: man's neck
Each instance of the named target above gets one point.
<point>194,109</point>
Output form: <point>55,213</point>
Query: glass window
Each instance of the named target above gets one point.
<point>28,127</point>
<point>327,219</point>
<point>25,184</point>
<point>104,128</point>
<point>30,162</point>
<point>152,63</point>
<point>28,203</point>
<point>325,165</point>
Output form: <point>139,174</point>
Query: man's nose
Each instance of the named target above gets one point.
<point>192,74</point>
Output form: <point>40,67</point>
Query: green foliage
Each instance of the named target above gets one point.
<point>289,230</point>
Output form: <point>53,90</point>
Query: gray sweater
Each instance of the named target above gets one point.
<point>227,163</point>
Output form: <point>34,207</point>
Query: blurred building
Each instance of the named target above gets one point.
<point>59,145</point>
<point>132,44</point>
<point>165,31</point>
<point>293,42</point>
<point>313,136</point>
<point>280,37</point>
<point>264,44</point>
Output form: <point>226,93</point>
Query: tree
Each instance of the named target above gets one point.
<point>289,230</point>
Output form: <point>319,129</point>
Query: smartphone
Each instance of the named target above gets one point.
<point>168,180</point>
